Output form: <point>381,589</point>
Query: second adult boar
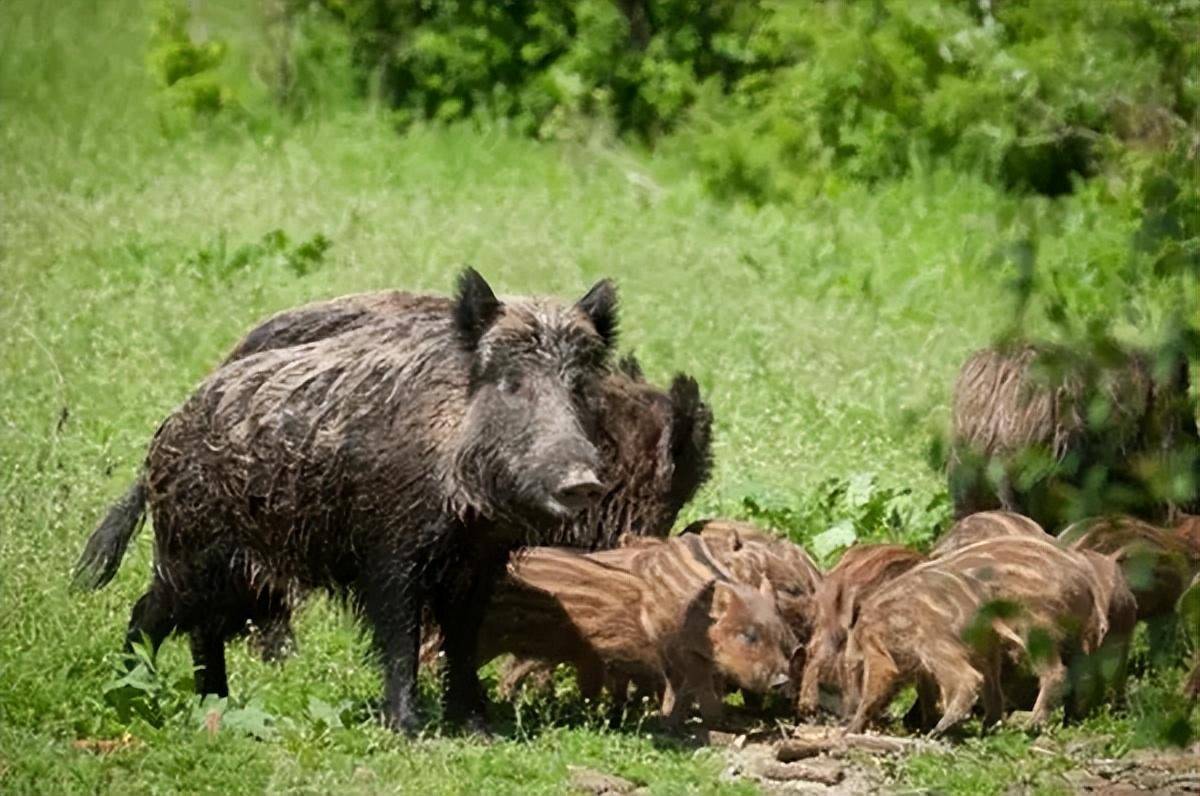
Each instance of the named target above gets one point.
<point>1047,421</point>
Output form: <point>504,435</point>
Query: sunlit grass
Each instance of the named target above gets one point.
<point>825,337</point>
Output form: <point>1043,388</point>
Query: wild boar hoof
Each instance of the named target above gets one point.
<point>470,721</point>
<point>476,726</point>
<point>405,723</point>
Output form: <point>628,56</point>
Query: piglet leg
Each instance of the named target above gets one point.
<point>674,702</point>
<point>880,681</point>
<point>960,683</point>
<point>1052,682</point>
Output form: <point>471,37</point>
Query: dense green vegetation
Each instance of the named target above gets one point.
<point>165,182</point>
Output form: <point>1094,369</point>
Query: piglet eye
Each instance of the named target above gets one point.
<point>509,385</point>
<point>750,635</point>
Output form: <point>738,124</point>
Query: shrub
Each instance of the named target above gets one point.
<point>634,63</point>
<point>770,99</point>
<point>1032,94</point>
<point>186,68</point>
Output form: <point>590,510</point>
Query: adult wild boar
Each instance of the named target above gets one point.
<point>655,444</point>
<point>396,463</point>
<point>1033,425</point>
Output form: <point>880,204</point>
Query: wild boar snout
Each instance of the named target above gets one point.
<point>578,489</point>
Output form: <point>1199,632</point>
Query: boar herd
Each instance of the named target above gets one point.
<point>477,477</point>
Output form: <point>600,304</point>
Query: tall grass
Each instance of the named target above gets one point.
<point>825,336</point>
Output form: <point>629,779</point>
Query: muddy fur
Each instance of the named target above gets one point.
<point>396,463</point>
<point>101,558</point>
<point>986,525</point>
<point>951,623</point>
<point>861,571</point>
<point>656,444</point>
<point>1015,399</point>
<point>668,620</point>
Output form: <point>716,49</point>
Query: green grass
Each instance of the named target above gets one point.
<point>825,336</point>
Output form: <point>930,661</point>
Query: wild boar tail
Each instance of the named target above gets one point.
<point>101,557</point>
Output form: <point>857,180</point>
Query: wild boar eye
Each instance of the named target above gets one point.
<point>509,385</point>
<point>750,635</point>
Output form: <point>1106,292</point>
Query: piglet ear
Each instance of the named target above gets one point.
<point>847,605</point>
<point>722,599</point>
<point>475,307</point>
<point>600,305</point>
<point>767,590</point>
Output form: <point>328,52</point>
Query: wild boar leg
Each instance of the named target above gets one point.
<point>589,676</point>
<point>809,696</point>
<point>392,606</point>
<point>208,659</point>
<point>152,618</point>
<point>712,707</point>
<point>676,701</point>
<point>1116,649</point>
<point>993,693</point>
<point>1052,681</point>
<point>460,614</point>
<point>922,715</point>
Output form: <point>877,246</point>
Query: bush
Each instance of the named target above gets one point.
<point>775,96</point>
<point>186,69</point>
<point>1034,95</point>
<point>541,65</point>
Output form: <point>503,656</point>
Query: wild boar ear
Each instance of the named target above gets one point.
<point>600,305</point>
<point>767,590</point>
<point>475,307</point>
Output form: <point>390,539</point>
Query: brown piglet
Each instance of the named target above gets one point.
<point>954,621</point>
<point>559,605</point>
<point>862,569</point>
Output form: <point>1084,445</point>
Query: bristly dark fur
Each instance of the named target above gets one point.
<point>1018,398</point>
<point>691,440</point>
<point>360,462</point>
<point>656,446</point>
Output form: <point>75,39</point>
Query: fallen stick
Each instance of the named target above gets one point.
<point>787,772</point>
<point>803,748</point>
